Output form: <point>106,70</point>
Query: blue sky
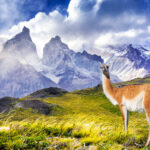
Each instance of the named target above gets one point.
<point>17,11</point>
<point>30,8</point>
<point>14,11</point>
<point>80,23</point>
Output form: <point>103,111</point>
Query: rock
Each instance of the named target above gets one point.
<point>6,104</point>
<point>41,107</point>
<point>9,103</point>
<point>19,80</point>
<point>22,47</point>
<point>73,70</point>
<point>48,92</point>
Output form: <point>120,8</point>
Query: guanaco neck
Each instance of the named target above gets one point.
<point>108,89</point>
<point>107,83</point>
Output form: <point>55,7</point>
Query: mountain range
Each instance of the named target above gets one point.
<point>23,72</point>
<point>126,61</point>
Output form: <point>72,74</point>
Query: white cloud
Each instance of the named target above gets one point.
<point>84,28</point>
<point>129,33</point>
<point>118,38</point>
<point>97,6</point>
<point>73,10</point>
<point>104,39</point>
<point>148,29</point>
<point>9,12</point>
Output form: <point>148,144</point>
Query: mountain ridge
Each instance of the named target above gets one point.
<point>70,70</point>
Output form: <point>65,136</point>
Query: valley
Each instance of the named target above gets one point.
<point>82,119</point>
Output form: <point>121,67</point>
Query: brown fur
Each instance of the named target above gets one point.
<point>128,92</point>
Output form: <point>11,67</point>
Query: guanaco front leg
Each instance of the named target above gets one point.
<point>125,115</point>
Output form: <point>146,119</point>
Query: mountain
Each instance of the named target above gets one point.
<point>71,70</point>
<point>63,67</point>
<point>138,56</point>
<point>18,79</point>
<point>22,47</point>
<point>127,61</point>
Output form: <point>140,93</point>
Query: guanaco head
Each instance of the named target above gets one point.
<point>105,69</point>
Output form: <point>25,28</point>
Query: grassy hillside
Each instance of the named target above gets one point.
<point>83,119</point>
<point>145,80</point>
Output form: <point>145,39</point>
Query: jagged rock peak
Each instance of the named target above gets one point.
<point>25,30</point>
<point>56,42</point>
<point>92,57</point>
<point>130,46</point>
<point>84,52</point>
<point>56,39</point>
<point>25,34</point>
<point>132,49</point>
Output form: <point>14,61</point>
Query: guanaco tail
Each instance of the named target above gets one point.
<point>129,98</point>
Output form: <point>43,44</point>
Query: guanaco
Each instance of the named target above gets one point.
<point>129,98</point>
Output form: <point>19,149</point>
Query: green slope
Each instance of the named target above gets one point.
<point>83,119</point>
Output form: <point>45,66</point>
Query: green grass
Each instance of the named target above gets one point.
<point>145,80</point>
<point>84,118</point>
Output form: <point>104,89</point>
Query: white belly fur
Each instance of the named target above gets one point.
<point>135,104</point>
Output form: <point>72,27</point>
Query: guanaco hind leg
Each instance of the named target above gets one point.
<point>125,116</point>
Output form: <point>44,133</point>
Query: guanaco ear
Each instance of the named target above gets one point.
<point>107,66</point>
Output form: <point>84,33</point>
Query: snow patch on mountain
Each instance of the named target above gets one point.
<point>63,67</point>
<point>70,70</point>
<point>126,62</point>
<point>18,79</point>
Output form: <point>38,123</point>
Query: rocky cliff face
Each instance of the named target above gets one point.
<point>138,56</point>
<point>22,47</point>
<point>22,72</point>
<point>69,67</point>
<point>18,79</point>
<point>134,55</point>
<point>127,61</point>
<point>72,70</point>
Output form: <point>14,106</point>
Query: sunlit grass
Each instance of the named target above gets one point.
<point>4,129</point>
<point>83,119</point>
